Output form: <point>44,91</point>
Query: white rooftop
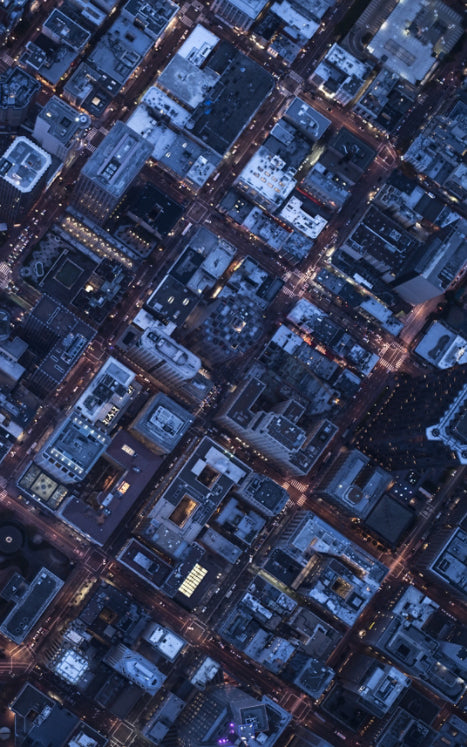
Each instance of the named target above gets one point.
<point>23,164</point>
<point>198,45</point>
<point>71,666</point>
<point>294,214</point>
<point>405,42</point>
<point>251,8</point>
<point>206,672</point>
<point>346,62</point>
<point>268,175</point>
<point>165,641</point>
<point>442,347</point>
<point>116,378</point>
<point>162,104</point>
<point>299,26</point>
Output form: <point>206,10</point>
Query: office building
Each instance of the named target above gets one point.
<point>328,568</point>
<point>41,720</point>
<point>356,483</point>
<point>135,668</point>
<point>442,347</point>
<point>310,122</point>
<point>58,128</point>
<point>73,449</point>
<point>413,36</point>
<point>109,172</point>
<point>339,75</point>
<point>239,13</point>
<point>378,686</point>
<point>30,601</point>
<point>274,430</point>
<point>411,635</point>
<point>18,90</point>
<point>439,267</point>
<point>161,356</point>
<point>192,496</point>
<point>450,563</point>
<point>153,17</point>
<point>107,396</point>
<point>264,494</point>
<point>23,173</point>
<point>161,424</point>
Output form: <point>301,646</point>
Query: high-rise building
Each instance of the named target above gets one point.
<point>58,127</point>
<point>110,171</point>
<point>161,356</point>
<point>23,171</point>
<point>17,93</point>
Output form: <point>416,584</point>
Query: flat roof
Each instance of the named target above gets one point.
<point>118,159</point>
<point>107,392</point>
<point>268,175</point>
<point>120,50</point>
<point>139,466</point>
<point>23,164</point>
<point>63,29</point>
<point>29,608</point>
<point>73,449</point>
<point>62,119</point>
<point>390,519</point>
<point>451,563</point>
<point>251,8</point>
<point>240,90</point>
<point>154,16</point>
<point>17,88</point>
<point>163,421</point>
<point>413,35</point>
<point>307,119</point>
<point>442,347</point>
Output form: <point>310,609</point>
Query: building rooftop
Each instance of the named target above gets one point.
<point>265,494</point>
<point>251,8</point>
<point>153,17</point>
<point>63,30</point>
<point>135,668</point>
<point>107,394</point>
<point>356,482</point>
<point>23,164</point>
<point>343,577</point>
<point>411,634</point>
<point>450,563</point>
<point>17,89</point>
<point>136,466</point>
<point>390,519</point>
<point>73,449</point>
<point>193,494</point>
<point>268,177</point>
<point>241,87</point>
<point>340,75</point>
<point>30,604</point>
<point>296,212</point>
<point>164,641</point>
<point>117,160</point>
<point>63,121</point>
<point>120,50</point>
<point>90,89</point>
<point>414,35</point>
<point>298,19</point>
<point>70,665</point>
<point>154,338</point>
<point>442,347</point>
<point>162,422</point>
